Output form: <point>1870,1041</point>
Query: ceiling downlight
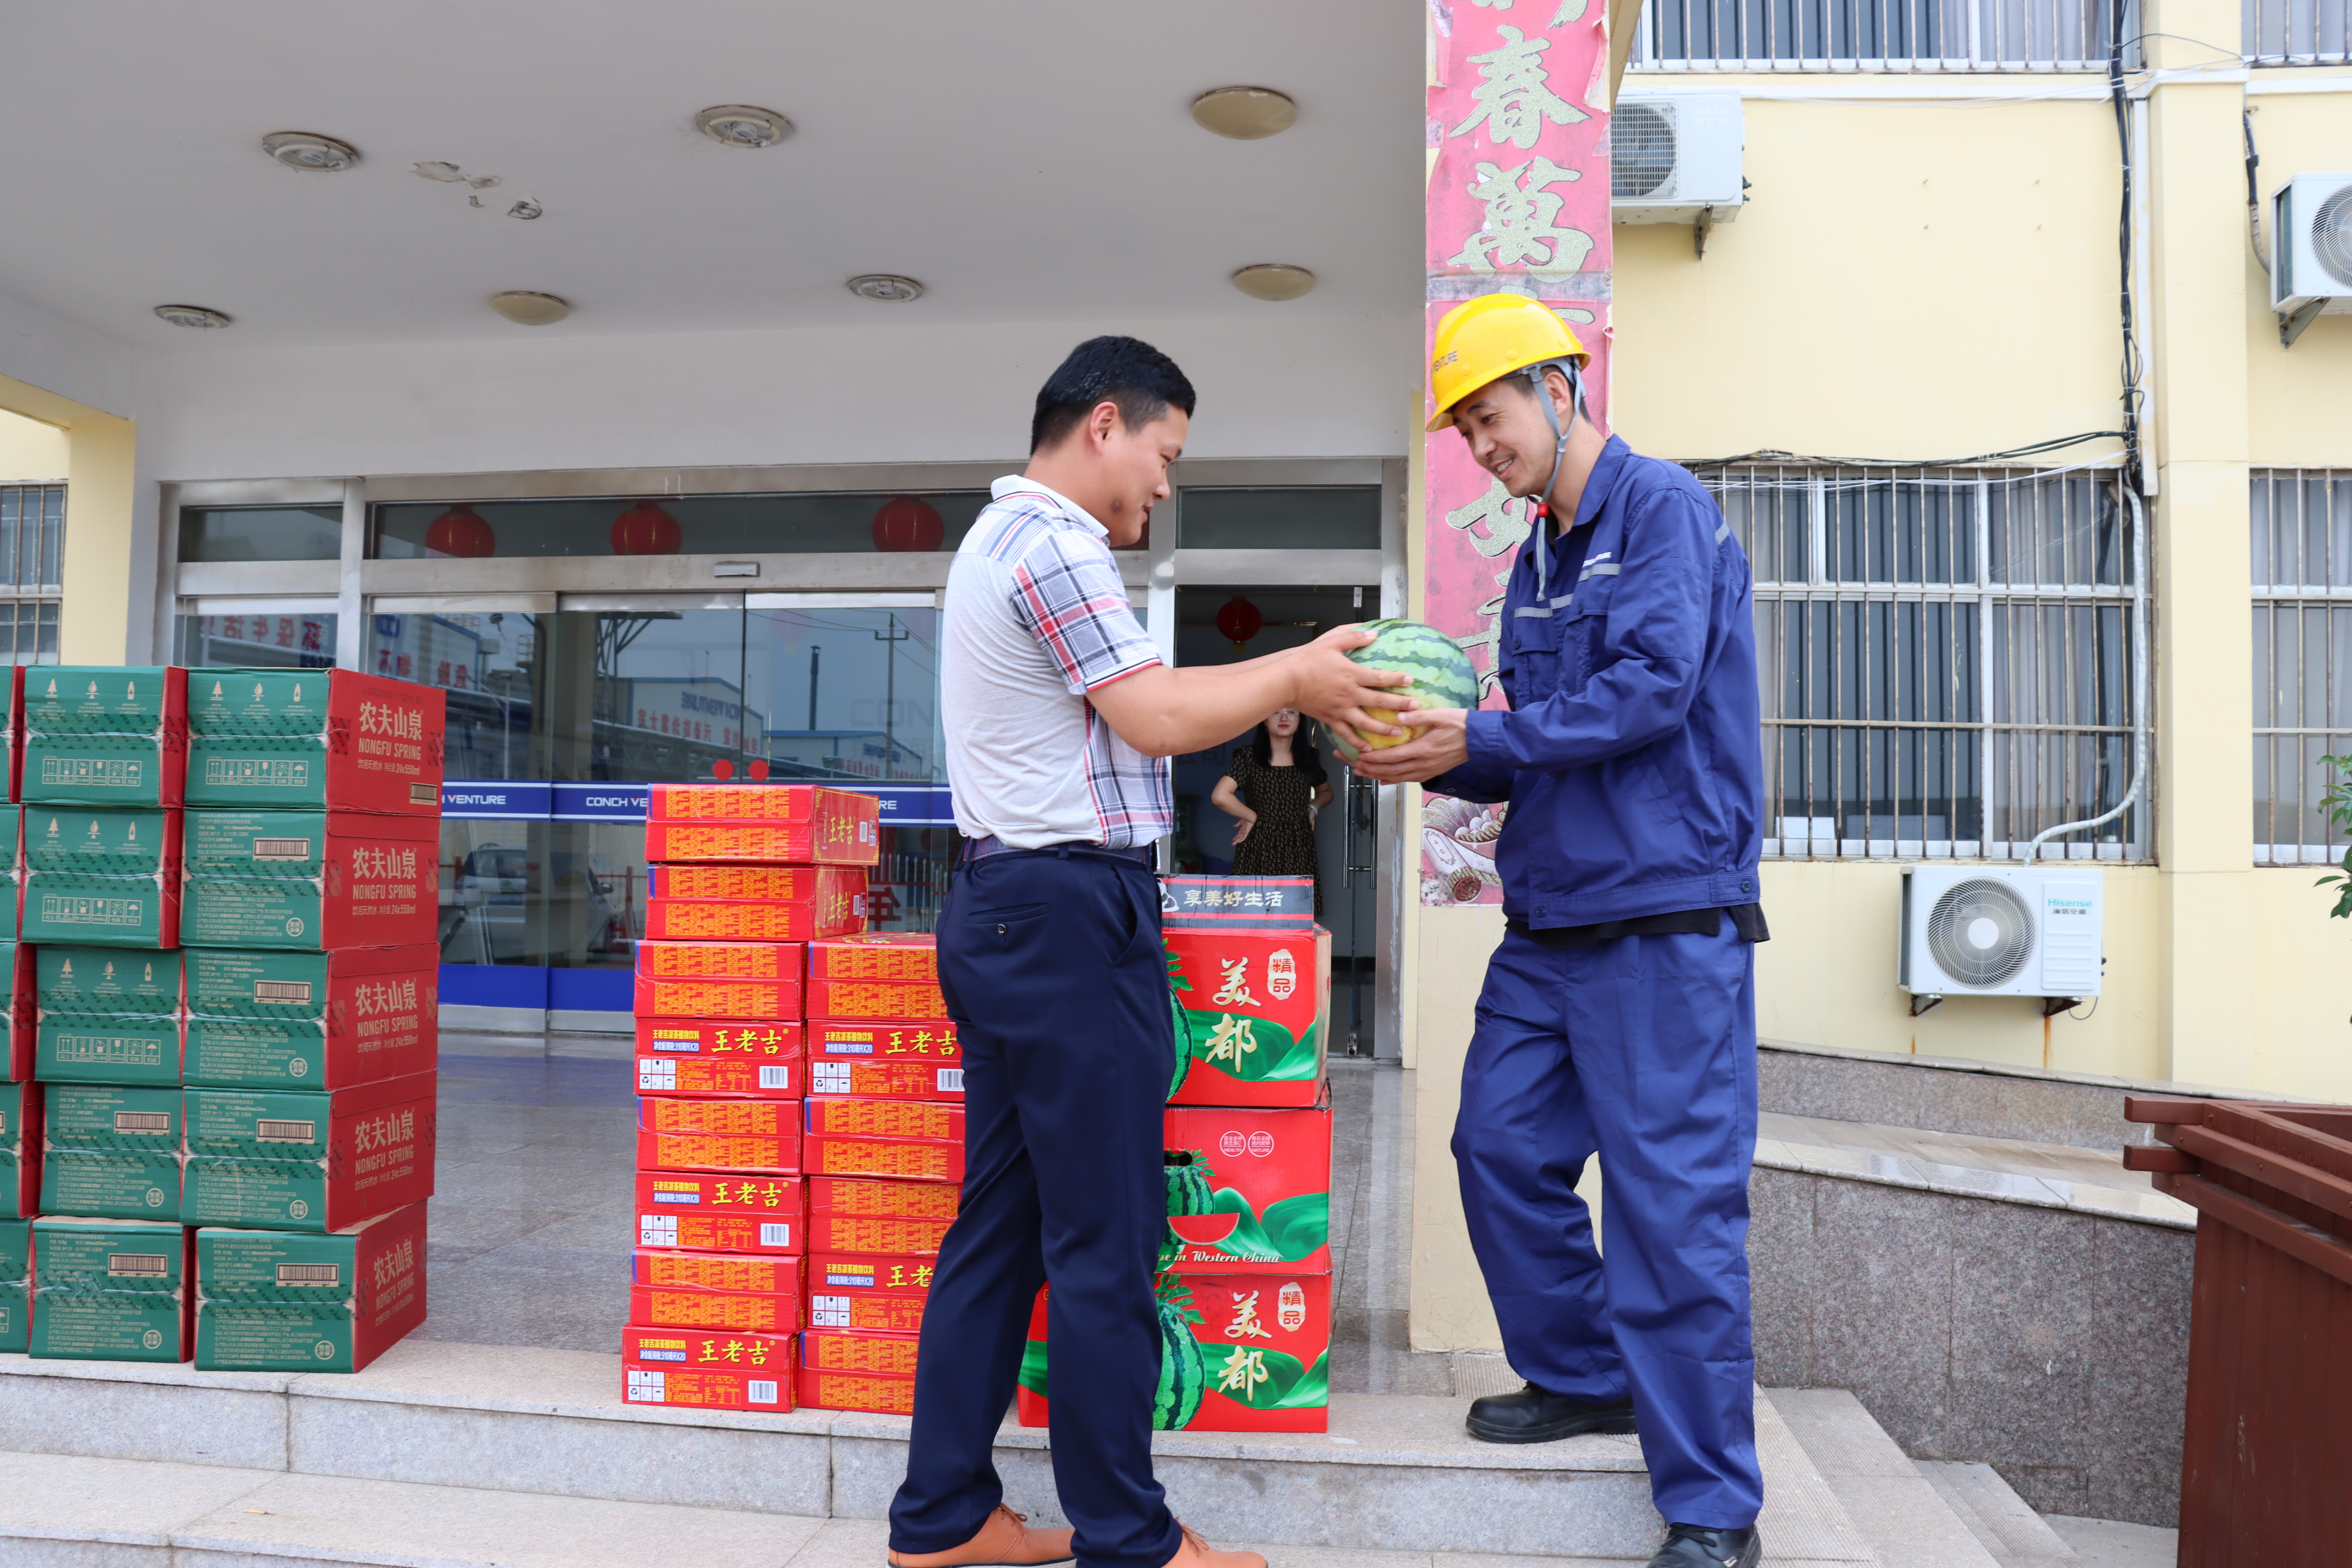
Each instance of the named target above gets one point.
<point>199,317</point>
<point>1274,281</point>
<point>742,125</point>
<point>1244,113</point>
<point>889,288</point>
<point>527,308</point>
<point>310,151</point>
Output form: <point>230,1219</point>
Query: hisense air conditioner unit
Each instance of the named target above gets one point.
<point>2000,930</point>
<point>1674,156</point>
<point>2311,249</point>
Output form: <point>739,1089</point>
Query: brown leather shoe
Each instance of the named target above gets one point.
<point>1196,1552</point>
<point>1004,1541</point>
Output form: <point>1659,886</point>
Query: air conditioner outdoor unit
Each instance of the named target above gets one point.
<point>1674,156</point>
<point>2000,930</point>
<point>2311,251</point>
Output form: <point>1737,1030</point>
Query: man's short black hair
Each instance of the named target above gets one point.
<point>1142,381</point>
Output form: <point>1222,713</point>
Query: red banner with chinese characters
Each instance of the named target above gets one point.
<point>1518,200</point>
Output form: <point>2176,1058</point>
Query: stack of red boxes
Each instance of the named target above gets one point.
<point>745,879</point>
<point>1246,1300</point>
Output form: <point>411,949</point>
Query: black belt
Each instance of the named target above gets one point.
<point>1145,856</point>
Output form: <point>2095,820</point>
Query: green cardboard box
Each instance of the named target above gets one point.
<point>109,1015</point>
<point>310,882</point>
<point>12,855</point>
<point>283,1159</point>
<point>15,1284</point>
<point>109,1151</point>
<point>270,1301</point>
<point>318,740</point>
<point>20,1011</point>
<point>20,1149</point>
<point>106,735</point>
<point>102,874</point>
<point>265,1019</point>
<point>113,1290</point>
<point>108,841</point>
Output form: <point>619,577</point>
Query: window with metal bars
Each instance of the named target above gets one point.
<point>1944,657</point>
<point>2303,657</point>
<point>32,544</point>
<point>2297,32</point>
<point>1882,35</point>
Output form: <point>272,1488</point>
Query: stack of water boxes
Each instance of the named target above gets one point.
<point>231,889</point>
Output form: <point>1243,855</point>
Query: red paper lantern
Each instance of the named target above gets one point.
<point>644,530</point>
<point>1240,620</point>
<point>461,530</point>
<point>906,523</point>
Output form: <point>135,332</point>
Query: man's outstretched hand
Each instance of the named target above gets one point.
<point>1440,744</point>
<point>1337,690</point>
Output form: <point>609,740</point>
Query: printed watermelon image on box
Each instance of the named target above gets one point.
<point>678,1133</point>
<point>113,1290</point>
<point>773,824</point>
<point>20,1149</point>
<point>106,735</point>
<point>15,1284</point>
<point>272,1301</point>
<point>893,1218</point>
<point>911,1140</point>
<point>754,903</point>
<point>310,882</point>
<point>740,980</point>
<point>1238,1352</point>
<point>100,874</point>
<point>1249,1191</point>
<point>878,975</point>
<point>314,740</point>
<point>731,1370</point>
<point>263,1019</point>
<point>688,1057</point>
<point>847,1370</point>
<point>759,1294</point>
<point>694,1211</point>
<point>111,1150</point>
<point>1257,1008</point>
<point>283,1159</point>
<point>20,1010</point>
<point>108,1016</point>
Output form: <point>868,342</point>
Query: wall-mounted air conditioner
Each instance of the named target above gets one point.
<point>2311,251</point>
<point>1675,157</point>
<point>2000,930</point>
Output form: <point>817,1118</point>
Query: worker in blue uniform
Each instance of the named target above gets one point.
<point>1617,1016</point>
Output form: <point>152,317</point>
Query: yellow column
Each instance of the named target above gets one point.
<point>2204,620</point>
<point>101,452</point>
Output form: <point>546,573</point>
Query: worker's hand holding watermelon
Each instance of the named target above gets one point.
<point>1355,698</point>
<point>1444,688</point>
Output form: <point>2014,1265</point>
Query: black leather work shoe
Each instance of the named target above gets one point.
<point>1691,1546</point>
<point>1539,1415</point>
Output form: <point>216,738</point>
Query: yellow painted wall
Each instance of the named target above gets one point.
<point>30,451</point>
<point>100,467</point>
<point>2299,400</point>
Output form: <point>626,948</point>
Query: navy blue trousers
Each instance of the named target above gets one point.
<point>1643,1050</point>
<point>1054,973</point>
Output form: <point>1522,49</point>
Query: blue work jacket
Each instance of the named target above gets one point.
<point>1632,753</point>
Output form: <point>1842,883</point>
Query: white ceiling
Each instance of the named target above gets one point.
<point>1029,161</point>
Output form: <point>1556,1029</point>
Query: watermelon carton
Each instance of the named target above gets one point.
<point>684,1056</point>
<point>1237,903</point>
<point>310,882</point>
<point>109,1014</point>
<point>20,1149</point>
<point>904,1218</point>
<point>754,903</point>
<point>873,1293</point>
<point>756,1293</point>
<point>314,740</point>
<point>283,1159</point>
<point>755,980</point>
<point>874,975</point>
<point>270,1301</point>
<point>695,1211</point>
<point>1239,1353</point>
<point>677,1132</point>
<point>1251,1192</point>
<point>730,1370</point>
<point>111,1150</point>
<point>16,1283</point>
<point>1442,676</point>
<point>20,1011</point>
<point>106,735</point>
<point>113,1290</point>
<point>762,823</point>
<point>270,1019</point>
<point>1258,1004</point>
<point>848,1369</point>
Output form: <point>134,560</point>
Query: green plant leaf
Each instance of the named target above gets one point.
<point>1298,1227</point>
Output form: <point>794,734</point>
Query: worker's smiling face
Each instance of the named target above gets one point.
<point>1507,433</point>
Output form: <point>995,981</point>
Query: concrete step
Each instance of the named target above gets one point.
<point>1907,1522</point>
<point>1995,1515</point>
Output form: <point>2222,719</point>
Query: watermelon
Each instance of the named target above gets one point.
<point>1442,676</point>
<point>1183,1370</point>
<point>1183,1027</point>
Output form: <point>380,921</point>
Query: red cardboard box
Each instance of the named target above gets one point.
<point>773,824</point>
<point>705,1371</point>
<point>777,1039</point>
<point>1237,903</point>
<point>299,1159</point>
<point>898,1158</point>
<point>898,1059</point>
<point>881,999</point>
<point>886,1079</point>
<point>332,740</point>
<point>744,979</point>
<point>684,1057</point>
<point>876,976</point>
<point>754,903</point>
<point>1265,1349</point>
<point>1258,1005</point>
<point>1269,1176</point>
<point>686,1211</point>
<point>908,1218</point>
<point>255,879</point>
<point>875,1294</point>
<point>742,1291</point>
<point>848,1370</point>
<point>678,1133</point>
<point>922,1120</point>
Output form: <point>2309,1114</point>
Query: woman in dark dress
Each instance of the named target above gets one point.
<point>1276,785</point>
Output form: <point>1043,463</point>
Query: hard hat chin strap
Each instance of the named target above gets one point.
<point>1535,373</point>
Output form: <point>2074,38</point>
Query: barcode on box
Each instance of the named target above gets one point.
<point>138,1265</point>
<point>424,795</point>
<point>308,1274</point>
<point>143,1121</point>
<point>281,849</point>
<point>296,991</point>
<point>952,1079</point>
<point>779,1077</point>
<point>775,1235</point>
<point>759,1391</point>
<point>267,1132</point>
<point>829,1311</point>
<point>647,1387</point>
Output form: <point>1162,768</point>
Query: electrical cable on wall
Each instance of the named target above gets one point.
<point>2119,94</point>
<point>1773,455</point>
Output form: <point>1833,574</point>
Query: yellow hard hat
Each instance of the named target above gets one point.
<point>1487,338</point>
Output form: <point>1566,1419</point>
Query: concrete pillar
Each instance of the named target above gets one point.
<point>94,623</point>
